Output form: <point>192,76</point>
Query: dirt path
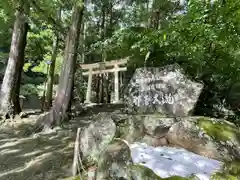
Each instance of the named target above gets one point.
<point>42,156</point>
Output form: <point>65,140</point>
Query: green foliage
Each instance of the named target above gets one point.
<point>6,21</point>
<point>143,172</point>
<point>221,131</point>
<point>39,43</point>
<point>26,66</point>
<point>43,66</point>
<point>229,171</point>
<point>28,89</point>
<point>204,41</point>
<point>80,86</point>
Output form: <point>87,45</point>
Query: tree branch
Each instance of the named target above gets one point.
<point>57,25</point>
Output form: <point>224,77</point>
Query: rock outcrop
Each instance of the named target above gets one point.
<point>96,137</point>
<point>102,149</point>
<point>115,161</point>
<point>159,102</point>
<point>164,90</point>
<point>216,139</point>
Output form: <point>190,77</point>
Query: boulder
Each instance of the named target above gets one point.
<point>157,125</point>
<point>155,129</point>
<point>171,162</point>
<point>96,137</point>
<point>140,172</point>
<point>216,139</point>
<point>115,159</point>
<point>154,141</point>
<point>163,90</point>
<point>114,162</point>
<point>230,170</point>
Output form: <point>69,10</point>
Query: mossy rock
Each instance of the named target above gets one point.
<point>141,172</point>
<point>220,130</point>
<point>223,176</point>
<point>132,129</point>
<point>113,161</point>
<point>230,171</point>
<point>224,133</point>
<point>232,167</point>
<point>213,138</point>
<point>75,178</point>
<point>96,137</point>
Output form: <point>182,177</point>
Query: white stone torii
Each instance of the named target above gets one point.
<point>101,68</point>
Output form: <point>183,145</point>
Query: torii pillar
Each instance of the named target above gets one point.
<point>89,87</point>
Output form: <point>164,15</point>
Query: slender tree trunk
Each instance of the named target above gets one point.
<point>108,32</point>
<point>155,14</point>
<point>50,78</point>
<point>64,94</point>
<point>150,7</point>
<point>16,94</point>
<point>83,39</point>
<point>9,95</point>
<point>102,33</point>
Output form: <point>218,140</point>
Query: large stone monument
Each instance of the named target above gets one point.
<point>164,90</point>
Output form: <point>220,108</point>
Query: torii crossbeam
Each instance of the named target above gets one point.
<point>114,66</point>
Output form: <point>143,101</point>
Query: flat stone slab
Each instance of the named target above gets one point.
<point>164,90</point>
<point>168,161</point>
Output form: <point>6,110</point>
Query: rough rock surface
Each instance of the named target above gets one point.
<point>154,141</point>
<point>96,137</point>
<point>208,137</point>
<point>114,161</point>
<point>170,161</point>
<point>217,139</point>
<point>163,90</point>
<point>157,125</point>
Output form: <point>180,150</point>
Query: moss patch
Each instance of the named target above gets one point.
<point>72,178</point>
<point>143,172</point>
<point>230,170</point>
<point>219,130</point>
<point>83,177</point>
<point>223,176</point>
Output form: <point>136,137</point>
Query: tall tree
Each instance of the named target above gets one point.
<point>64,93</point>
<point>9,94</point>
<point>50,76</point>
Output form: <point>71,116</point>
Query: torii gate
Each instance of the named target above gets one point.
<point>102,68</point>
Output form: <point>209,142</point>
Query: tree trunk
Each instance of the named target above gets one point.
<point>109,30</point>
<point>83,39</point>
<point>64,94</point>
<point>50,78</point>
<point>102,34</point>
<point>155,15</point>
<point>9,95</point>
<point>16,101</point>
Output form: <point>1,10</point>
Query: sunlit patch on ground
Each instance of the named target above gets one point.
<point>39,156</point>
<point>169,161</point>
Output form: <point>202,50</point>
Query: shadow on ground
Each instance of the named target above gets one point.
<point>42,156</point>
